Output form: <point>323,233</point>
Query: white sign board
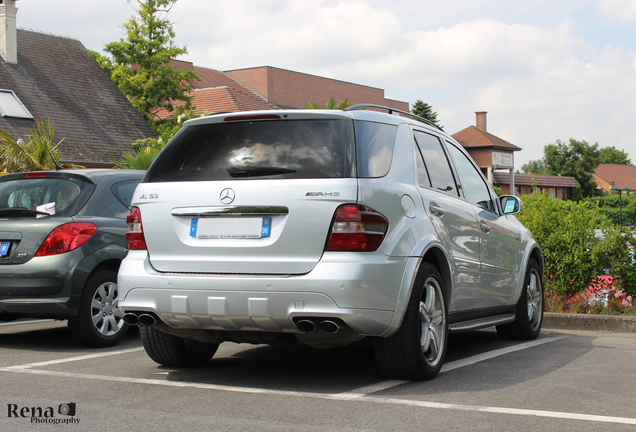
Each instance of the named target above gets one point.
<point>502,159</point>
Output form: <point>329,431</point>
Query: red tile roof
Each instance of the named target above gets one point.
<point>619,175</point>
<point>473,137</point>
<point>217,92</point>
<point>540,180</point>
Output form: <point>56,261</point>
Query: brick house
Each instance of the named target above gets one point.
<point>55,78</point>
<point>608,176</point>
<point>493,154</point>
<point>263,88</point>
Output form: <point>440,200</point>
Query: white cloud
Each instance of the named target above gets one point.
<point>540,79</point>
<point>618,10</point>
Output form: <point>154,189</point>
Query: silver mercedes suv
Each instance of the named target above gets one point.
<point>323,228</point>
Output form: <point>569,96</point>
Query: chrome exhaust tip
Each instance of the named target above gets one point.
<point>306,326</point>
<point>131,319</point>
<point>329,327</point>
<point>147,320</point>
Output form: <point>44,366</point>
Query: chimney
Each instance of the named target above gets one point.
<point>481,120</point>
<point>8,36</point>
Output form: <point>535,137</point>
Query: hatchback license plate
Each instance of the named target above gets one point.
<point>230,228</point>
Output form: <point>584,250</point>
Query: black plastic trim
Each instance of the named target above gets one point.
<point>30,287</point>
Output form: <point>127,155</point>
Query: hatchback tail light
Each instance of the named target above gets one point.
<point>135,235</point>
<point>357,228</point>
<point>66,237</point>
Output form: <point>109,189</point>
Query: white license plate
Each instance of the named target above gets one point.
<point>230,228</point>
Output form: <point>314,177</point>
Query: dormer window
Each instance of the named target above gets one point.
<point>11,106</point>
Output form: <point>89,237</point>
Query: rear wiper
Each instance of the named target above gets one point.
<point>255,171</point>
<point>21,212</point>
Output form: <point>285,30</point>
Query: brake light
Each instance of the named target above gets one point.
<point>135,235</point>
<point>35,174</point>
<point>357,228</point>
<point>252,117</point>
<point>66,238</point>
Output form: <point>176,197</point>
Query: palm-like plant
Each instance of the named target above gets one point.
<point>141,160</point>
<point>36,152</point>
<point>331,104</point>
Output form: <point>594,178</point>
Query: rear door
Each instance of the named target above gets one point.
<point>454,219</point>
<point>247,194</point>
<point>498,240</point>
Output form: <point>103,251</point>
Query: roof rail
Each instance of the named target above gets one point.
<point>391,111</point>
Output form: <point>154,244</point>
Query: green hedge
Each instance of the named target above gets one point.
<point>574,255</point>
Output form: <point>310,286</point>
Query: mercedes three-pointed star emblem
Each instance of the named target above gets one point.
<point>227,196</point>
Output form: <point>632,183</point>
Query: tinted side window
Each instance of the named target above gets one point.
<point>374,143</point>
<point>475,189</point>
<point>284,149</point>
<point>123,191</point>
<point>436,163</point>
<point>422,174</point>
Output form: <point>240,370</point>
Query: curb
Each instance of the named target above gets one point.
<point>590,322</point>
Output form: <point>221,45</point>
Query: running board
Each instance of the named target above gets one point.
<point>481,323</point>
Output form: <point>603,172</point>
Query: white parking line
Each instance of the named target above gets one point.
<point>496,353</point>
<point>35,321</point>
<point>361,394</point>
<point>72,359</point>
<point>342,397</point>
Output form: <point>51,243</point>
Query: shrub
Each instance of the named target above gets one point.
<point>565,232</point>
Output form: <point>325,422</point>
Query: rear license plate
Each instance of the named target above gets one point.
<point>230,228</point>
<point>4,248</point>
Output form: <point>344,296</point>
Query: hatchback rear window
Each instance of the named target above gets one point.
<point>36,197</point>
<point>286,149</point>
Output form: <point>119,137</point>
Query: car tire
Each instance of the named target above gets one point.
<point>529,309</point>
<point>170,350</point>
<point>417,350</point>
<point>100,323</point>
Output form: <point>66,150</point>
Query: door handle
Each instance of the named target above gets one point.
<point>484,227</point>
<point>436,209</point>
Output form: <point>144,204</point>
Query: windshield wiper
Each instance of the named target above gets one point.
<point>255,171</point>
<point>21,212</point>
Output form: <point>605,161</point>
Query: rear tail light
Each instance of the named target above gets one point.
<point>357,228</point>
<point>135,235</point>
<point>65,238</point>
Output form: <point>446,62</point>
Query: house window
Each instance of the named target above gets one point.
<point>552,192</point>
<point>564,194</point>
<point>536,190</point>
<point>11,106</point>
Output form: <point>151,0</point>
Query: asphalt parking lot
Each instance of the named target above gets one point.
<point>563,381</point>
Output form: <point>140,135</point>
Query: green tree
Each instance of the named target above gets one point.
<point>576,159</point>
<point>425,110</point>
<point>331,104</point>
<point>611,155</point>
<point>38,151</point>
<point>139,64</point>
<point>145,151</point>
<point>534,167</point>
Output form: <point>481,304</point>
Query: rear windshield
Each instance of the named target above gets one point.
<point>263,149</point>
<point>37,197</point>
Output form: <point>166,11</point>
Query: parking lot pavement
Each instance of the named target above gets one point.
<point>565,380</point>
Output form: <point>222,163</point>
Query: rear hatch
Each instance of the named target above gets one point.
<point>32,205</point>
<point>249,194</point>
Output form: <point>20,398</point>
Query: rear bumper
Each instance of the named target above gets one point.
<point>360,289</point>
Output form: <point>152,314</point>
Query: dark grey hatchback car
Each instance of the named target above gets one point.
<point>62,239</point>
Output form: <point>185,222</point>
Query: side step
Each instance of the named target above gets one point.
<point>481,323</point>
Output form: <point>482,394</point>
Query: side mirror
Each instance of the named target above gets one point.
<point>510,204</point>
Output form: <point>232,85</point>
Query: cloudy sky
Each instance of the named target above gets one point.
<point>543,69</point>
